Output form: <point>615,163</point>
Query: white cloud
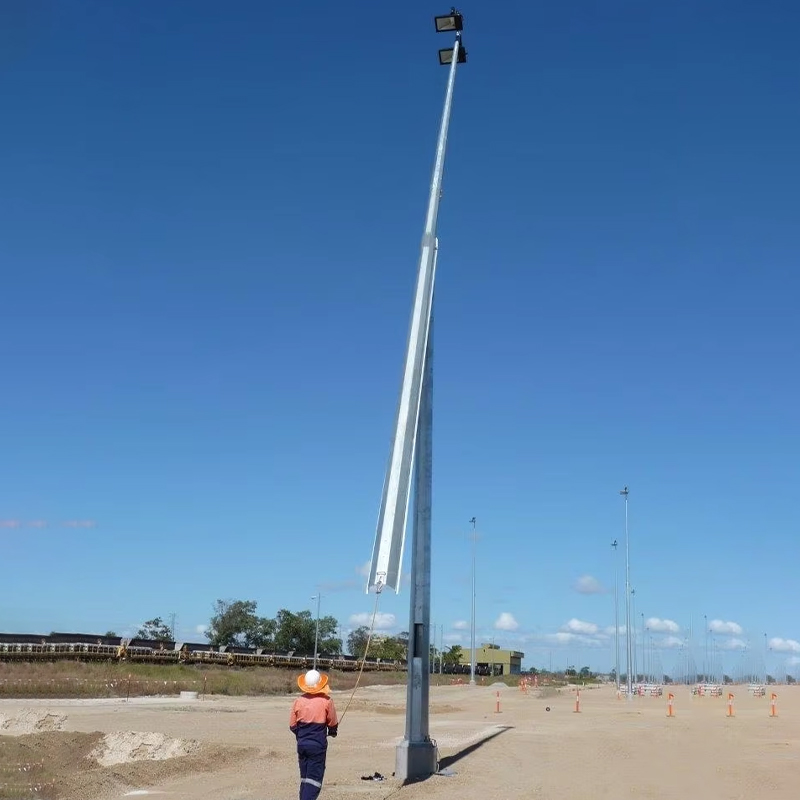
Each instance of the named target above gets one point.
<point>662,625</point>
<point>506,622</point>
<point>561,637</point>
<point>669,642</point>
<point>383,622</point>
<point>453,638</point>
<point>201,629</point>
<point>734,644</point>
<point>730,628</point>
<point>586,584</point>
<point>793,661</point>
<point>363,570</point>
<point>578,626</point>
<point>565,637</point>
<point>460,625</point>
<point>784,645</point>
<point>609,631</point>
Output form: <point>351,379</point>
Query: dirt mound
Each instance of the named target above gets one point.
<point>122,747</point>
<point>31,721</point>
<point>64,764</point>
<point>31,764</point>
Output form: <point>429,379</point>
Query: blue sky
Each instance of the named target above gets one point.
<point>211,220</point>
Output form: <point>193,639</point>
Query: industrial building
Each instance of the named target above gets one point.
<point>491,660</point>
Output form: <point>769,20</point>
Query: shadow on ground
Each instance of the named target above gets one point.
<point>448,761</point>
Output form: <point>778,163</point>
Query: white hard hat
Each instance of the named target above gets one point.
<point>312,682</point>
<point>312,678</point>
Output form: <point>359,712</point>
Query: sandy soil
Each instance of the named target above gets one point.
<point>241,749</point>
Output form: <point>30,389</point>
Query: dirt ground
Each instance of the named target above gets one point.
<point>241,749</point>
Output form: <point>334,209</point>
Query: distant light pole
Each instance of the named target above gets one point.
<point>616,615</point>
<point>629,654</point>
<point>766,653</point>
<point>634,645</point>
<point>472,624</point>
<point>644,657</point>
<point>316,597</point>
<point>705,649</point>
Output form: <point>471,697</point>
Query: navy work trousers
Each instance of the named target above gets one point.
<point>312,771</point>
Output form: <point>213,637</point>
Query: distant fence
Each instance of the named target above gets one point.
<point>26,688</point>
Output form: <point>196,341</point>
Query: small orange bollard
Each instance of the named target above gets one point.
<point>670,710</point>
<point>578,701</point>
<point>730,705</point>
<point>497,704</point>
<point>773,705</point>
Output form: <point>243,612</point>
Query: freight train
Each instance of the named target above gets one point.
<point>90,647</point>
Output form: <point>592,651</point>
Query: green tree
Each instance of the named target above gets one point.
<point>357,641</point>
<point>110,633</point>
<point>235,623</point>
<point>453,654</point>
<point>329,641</point>
<point>390,648</point>
<point>261,633</point>
<point>296,632</point>
<point>155,629</point>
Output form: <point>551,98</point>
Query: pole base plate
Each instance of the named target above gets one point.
<point>415,760</point>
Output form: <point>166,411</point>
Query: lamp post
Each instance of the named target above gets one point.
<point>629,654</point>
<point>634,645</point>
<point>616,615</point>
<point>766,666</point>
<point>472,618</point>
<point>644,656</point>
<point>412,451</point>
<point>318,598</point>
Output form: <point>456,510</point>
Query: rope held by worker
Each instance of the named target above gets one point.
<point>366,651</point>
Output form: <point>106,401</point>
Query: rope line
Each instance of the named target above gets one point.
<point>366,651</point>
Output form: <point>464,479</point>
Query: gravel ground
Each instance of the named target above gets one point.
<point>241,749</point>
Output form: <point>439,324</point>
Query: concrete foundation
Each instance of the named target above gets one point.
<point>415,760</point>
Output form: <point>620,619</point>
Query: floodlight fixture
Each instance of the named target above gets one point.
<point>449,22</point>
<point>446,56</point>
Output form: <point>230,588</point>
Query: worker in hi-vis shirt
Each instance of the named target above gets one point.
<point>312,720</point>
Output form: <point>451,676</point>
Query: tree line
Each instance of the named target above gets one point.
<point>236,623</point>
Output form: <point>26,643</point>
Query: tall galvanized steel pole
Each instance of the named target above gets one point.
<point>416,754</point>
<point>472,618</point>
<point>628,632</point>
<point>616,615</point>
<point>411,456</point>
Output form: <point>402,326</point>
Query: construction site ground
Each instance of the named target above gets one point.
<point>241,749</point>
